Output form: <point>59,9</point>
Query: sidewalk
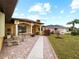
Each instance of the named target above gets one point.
<point>37,51</point>
<point>49,52</point>
<point>42,50</point>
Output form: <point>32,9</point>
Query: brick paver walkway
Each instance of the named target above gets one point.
<point>20,51</point>
<point>32,48</point>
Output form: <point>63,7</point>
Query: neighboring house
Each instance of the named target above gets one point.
<point>25,26</point>
<point>52,28</point>
<point>6,10</point>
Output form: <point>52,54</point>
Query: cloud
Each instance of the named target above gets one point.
<point>73,11</point>
<point>41,8</point>
<point>19,15</point>
<point>33,17</point>
<point>47,7</point>
<point>75,4</point>
<point>30,16</point>
<point>36,8</point>
<point>22,15</point>
<point>62,11</point>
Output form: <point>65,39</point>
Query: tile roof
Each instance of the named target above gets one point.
<point>56,26</point>
<point>27,20</point>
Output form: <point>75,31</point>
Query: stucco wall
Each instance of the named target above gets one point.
<point>2,28</point>
<point>2,24</point>
<point>10,26</point>
<point>29,29</point>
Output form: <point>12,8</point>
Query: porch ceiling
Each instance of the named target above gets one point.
<point>2,3</point>
<point>7,6</point>
<point>25,23</point>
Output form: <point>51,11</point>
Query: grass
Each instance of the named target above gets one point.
<point>67,47</point>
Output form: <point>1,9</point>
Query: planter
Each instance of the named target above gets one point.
<point>8,36</point>
<point>32,35</point>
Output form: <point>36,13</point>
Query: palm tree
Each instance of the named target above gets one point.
<point>75,21</point>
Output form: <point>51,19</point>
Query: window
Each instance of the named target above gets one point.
<point>22,29</point>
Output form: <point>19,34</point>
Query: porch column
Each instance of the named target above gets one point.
<point>40,29</point>
<point>2,28</point>
<point>31,27</point>
<point>16,28</point>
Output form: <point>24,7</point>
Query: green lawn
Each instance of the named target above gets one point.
<point>66,48</point>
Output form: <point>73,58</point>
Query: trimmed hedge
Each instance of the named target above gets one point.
<point>75,32</point>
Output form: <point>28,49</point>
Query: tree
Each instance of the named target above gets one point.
<point>75,21</point>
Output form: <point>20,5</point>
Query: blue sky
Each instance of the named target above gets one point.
<point>48,11</point>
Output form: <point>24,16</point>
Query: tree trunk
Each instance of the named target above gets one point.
<point>73,26</point>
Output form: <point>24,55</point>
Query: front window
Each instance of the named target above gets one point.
<point>22,29</point>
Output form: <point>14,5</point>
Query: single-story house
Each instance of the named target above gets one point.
<point>25,26</point>
<point>15,26</point>
<point>6,10</point>
<point>52,28</point>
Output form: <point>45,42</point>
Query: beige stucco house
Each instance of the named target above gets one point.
<point>15,26</point>
<point>25,26</point>
<point>6,10</point>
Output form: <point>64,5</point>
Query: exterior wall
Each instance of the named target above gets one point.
<point>10,26</point>
<point>39,28</point>
<point>52,30</point>
<point>2,28</point>
<point>28,26</point>
<point>29,29</point>
<point>36,28</point>
<point>14,30</point>
<point>63,31</point>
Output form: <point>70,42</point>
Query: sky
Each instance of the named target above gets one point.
<point>54,12</point>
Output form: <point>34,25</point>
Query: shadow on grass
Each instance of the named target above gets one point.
<point>59,37</point>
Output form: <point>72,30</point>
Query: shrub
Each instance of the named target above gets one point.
<point>47,32</point>
<point>32,35</point>
<point>37,33</point>
<point>52,32</point>
<point>75,32</point>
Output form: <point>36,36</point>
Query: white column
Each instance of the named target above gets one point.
<point>2,24</point>
<point>16,29</point>
<point>40,29</point>
<point>2,28</point>
<point>31,27</point>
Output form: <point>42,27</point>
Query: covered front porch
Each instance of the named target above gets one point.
<point>22,27</point>
<point>6,10</point>
<point>17,29</point>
